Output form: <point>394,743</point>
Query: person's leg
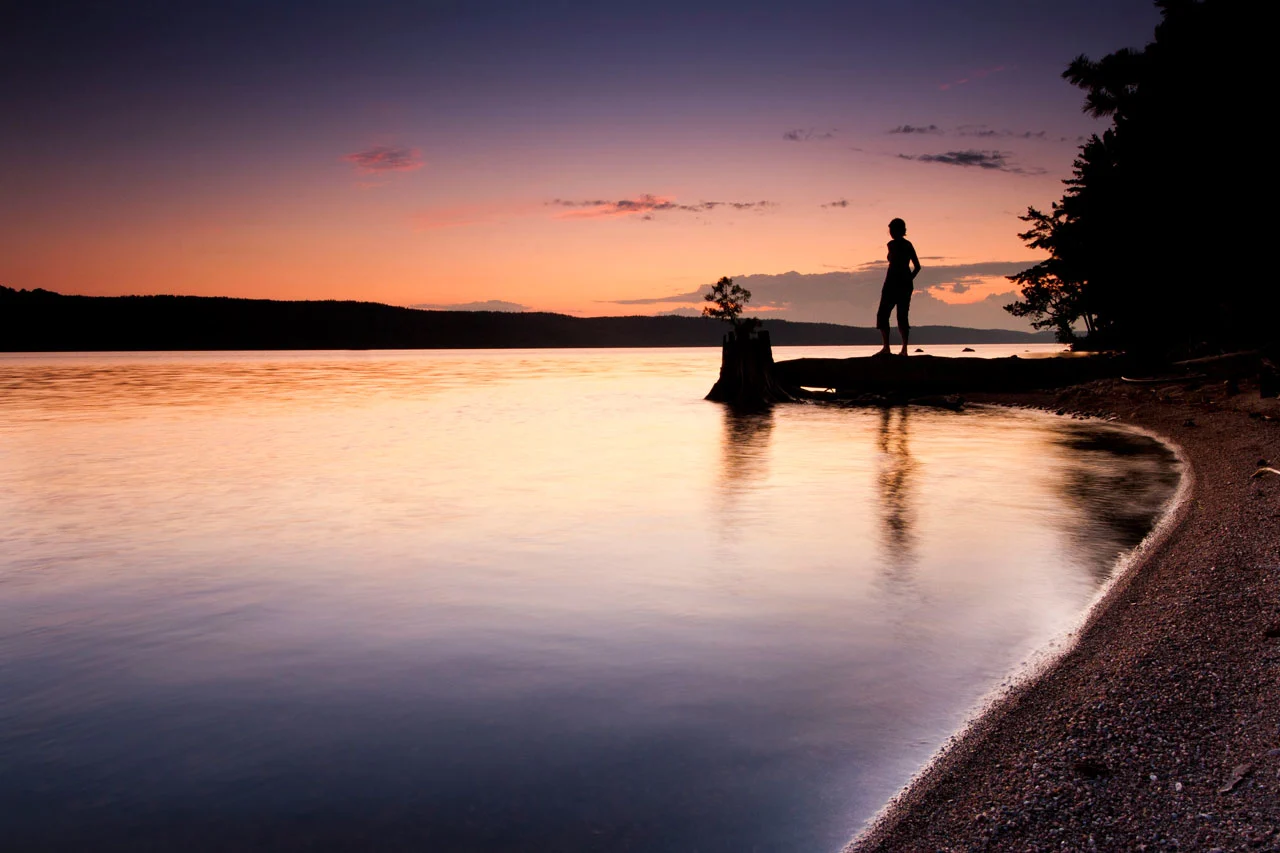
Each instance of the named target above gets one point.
<point>904,322</point>
<point>882,320</point>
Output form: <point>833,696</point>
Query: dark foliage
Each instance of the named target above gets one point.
<point>1152,247</point>
<point>727,301</point>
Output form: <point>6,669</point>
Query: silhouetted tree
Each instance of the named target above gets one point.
<point>727,301</point>
<point>1053,291</point>
<point>1147,247</point>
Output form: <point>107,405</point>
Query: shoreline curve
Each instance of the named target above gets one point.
<point>1118,733</point>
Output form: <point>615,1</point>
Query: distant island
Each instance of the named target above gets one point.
<point>44,321</point>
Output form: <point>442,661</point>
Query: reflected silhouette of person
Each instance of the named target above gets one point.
<point>896,493</point>
<point>899,282</point>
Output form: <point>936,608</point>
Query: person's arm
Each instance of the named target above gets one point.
<point>915,262</point>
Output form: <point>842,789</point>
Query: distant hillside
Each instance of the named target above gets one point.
<point>42,321</point>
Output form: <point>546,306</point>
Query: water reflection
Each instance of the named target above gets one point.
<point>1119,481</point>
<point>895,491</point>
<point>744,448</point>
<point>744,464</point>
<point>508,601</point>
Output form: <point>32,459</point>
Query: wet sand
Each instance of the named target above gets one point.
<point>1160,728</point>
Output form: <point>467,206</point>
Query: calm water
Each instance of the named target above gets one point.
<point>510,601</point>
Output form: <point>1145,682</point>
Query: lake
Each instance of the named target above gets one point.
<point>523,600</point>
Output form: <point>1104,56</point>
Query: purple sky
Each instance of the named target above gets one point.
<point>585,157</point>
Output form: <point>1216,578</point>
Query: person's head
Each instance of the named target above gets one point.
<point>897,228</point>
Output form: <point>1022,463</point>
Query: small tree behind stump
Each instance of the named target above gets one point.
<point>747,379</point>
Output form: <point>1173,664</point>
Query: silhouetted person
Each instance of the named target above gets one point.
<point>899,282</point>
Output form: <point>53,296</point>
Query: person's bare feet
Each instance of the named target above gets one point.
<point>884,351</point>
<point>904,351</point>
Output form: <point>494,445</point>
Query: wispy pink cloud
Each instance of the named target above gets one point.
<point>385,158</point>
<point>801,134</point>
<point>645,206</point>
<point>975,75</point>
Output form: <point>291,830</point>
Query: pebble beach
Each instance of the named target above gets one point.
<point>1159,728</point>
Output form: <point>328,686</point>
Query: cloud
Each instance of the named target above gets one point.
<point>488,305</point>
<point>912,128</point>
<point>862,267</point>
<point>969,289</point>
<point>952,294</point>
<point>646,205</point>
<point>844,202</point>
<point>959,286</point>
<point>385,158</point>
<point>982,131</point>
<point>973,158</point>
<point>679,298</point>
<point>979,131</point>
<point>970,157</point>
<point>801,134</point>
<point>975,75</point>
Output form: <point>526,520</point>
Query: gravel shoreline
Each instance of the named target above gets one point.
<point>1160,728</point>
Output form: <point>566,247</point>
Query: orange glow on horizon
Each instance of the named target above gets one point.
<point>551,245</point>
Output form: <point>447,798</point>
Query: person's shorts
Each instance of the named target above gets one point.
<point>894,297</point>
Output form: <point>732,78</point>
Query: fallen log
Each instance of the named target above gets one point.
<point>1232,363</point>
<point>906,377</point>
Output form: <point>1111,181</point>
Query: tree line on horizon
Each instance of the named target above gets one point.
<point>44,321</point>
<point>1151,246</point>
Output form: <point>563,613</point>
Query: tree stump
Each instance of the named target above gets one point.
<point>747,378</point>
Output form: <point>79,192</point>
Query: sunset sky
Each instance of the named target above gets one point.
<point>584,157</point>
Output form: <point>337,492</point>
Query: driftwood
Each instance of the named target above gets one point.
<point>1231,364</point>
<point>748,379</point>
<point>1165,380</point>
<point>1238,365</point>
<point>902,378</point>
